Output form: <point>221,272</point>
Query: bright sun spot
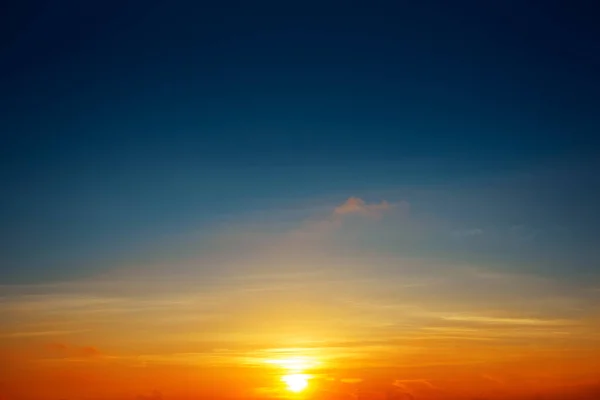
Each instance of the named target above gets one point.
<point>295,374</point>
<point>296,382</point>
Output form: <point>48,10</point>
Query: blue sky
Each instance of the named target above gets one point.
<point>127,125</point>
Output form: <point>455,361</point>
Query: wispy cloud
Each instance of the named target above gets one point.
<point>63,350</point>
<point>30,334</point>
<point>506,321</point>
<point>324,226</point>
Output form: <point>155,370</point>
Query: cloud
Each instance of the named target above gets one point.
<point>55,302</point>
<point>25,334</point>
<point>355,205</point>
<point>506,321</point>
<point>414,382</point>
<point>413,389</point>
<point>325,226</point>
<point>351,380</point>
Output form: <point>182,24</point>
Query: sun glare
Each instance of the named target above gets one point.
<point>296,371</point>
<point>295,382</point>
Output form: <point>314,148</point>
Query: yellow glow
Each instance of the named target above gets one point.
<point>296,382</point>
<point>294,364</point>
<point>296,370</point>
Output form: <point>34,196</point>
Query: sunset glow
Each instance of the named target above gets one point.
<point>206,200</point>
<point>296,382</point>
<point>294,364</point>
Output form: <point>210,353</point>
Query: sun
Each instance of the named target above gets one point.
<point>295,382</point>
<point>296,374</point>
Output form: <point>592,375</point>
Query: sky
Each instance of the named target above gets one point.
<point>378,201</point>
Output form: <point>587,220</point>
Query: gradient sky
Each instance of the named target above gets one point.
<point>401,197</point>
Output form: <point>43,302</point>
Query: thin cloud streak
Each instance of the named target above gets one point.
<point>506,321</point>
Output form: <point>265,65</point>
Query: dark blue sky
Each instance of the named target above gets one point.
<point>127,122</point>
